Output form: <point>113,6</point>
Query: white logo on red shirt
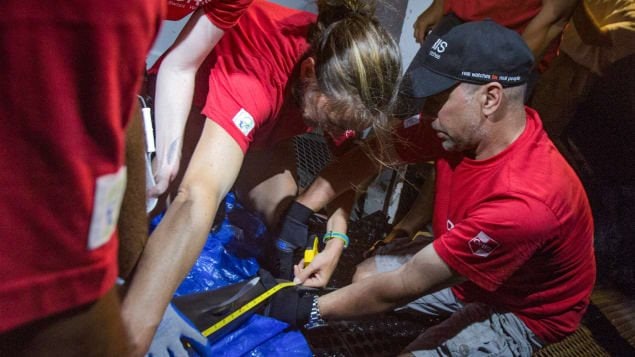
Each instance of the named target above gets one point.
<point>109,190</point>
<point>244,122</point>
<point>482,245</point>
<point>449,225</point>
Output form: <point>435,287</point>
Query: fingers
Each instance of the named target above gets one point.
<point>163,177</point>
<point>421,27</point>
<point>419,31</point>
<point>301,273</point>
<point>177,349</point>
<point>426,21</point>
<point>158,189</point>
<point>312,276</point>
<point>422,32</point>
<point>315,282</point>
<point>297,271</point>
<point>163,173</point>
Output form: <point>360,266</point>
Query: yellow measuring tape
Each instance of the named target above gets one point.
<point>248,306</point>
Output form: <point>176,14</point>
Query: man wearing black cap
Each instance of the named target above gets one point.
<point>512,263</point>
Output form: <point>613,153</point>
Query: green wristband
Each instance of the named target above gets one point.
<point>330,235</point>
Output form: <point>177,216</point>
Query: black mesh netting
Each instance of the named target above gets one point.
<point>312,154</point>
<point>383,335</point>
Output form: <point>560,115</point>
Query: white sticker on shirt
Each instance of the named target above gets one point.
<point>482,245</point>
<point>412,121</point>
<point>109,190</point>
<point>244,122</point>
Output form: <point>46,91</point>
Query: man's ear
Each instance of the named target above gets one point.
<point>492,99</point>
<point>307,69</point>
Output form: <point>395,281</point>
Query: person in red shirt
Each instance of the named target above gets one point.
<point>540,22</point>
<point>71,72</point>
<point>512,262</point>
<point>276,73</point>
<point>176,75</point>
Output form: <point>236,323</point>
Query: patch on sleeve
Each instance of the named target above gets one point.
<point>482,245</point>
<point>244,122</point>
<point>109,190</point>
<point>412,121</point>
<point>449,225</point>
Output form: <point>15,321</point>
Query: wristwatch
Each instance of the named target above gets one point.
<point>315,319</point>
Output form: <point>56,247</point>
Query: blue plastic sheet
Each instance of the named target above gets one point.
<point>229,257</point>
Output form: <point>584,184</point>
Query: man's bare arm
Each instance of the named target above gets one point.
<point>548,24</point>
<point>425,273</point>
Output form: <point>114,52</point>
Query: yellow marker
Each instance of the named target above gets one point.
<point>248,306</point>
<point>311,251</point>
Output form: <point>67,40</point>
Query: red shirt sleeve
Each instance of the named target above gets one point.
<point>178,9</point>
<point>239,103</point>
<point>225,13</point>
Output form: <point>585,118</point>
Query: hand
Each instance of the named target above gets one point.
<point>294,233</point>
<point>173,328</point>
<point>164,173</point>
<point>427,20</point>
<point>291,305</point>
<point>319,272</point>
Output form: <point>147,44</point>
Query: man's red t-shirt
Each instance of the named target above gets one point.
<point>517,225</point>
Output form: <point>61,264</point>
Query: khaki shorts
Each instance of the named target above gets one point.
<point>473,329</point>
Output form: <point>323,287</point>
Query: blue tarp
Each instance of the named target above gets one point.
<point>229,257</point>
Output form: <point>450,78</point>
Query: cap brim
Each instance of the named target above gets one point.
<point>420,82</point>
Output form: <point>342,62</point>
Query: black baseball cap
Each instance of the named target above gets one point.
<point>475,52</point>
